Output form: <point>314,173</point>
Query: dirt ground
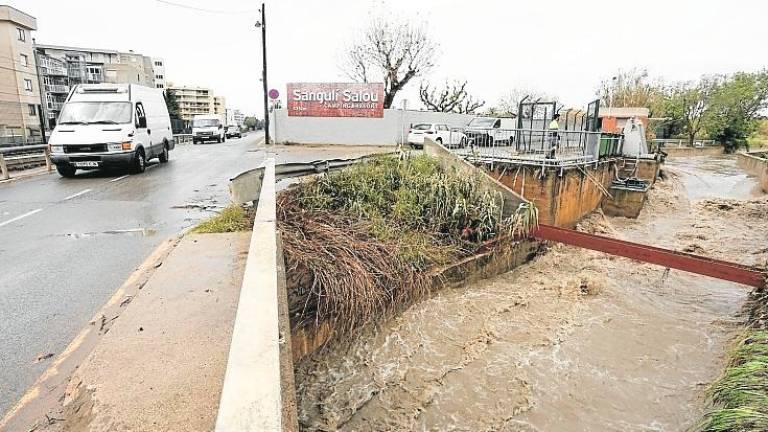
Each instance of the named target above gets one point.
<point>573,341</point>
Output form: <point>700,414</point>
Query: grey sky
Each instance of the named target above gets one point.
<point>564,48</point>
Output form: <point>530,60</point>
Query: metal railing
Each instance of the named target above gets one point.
<point>182,138</point>
<point>539,145</point>
<point>23,157</point>
<point>57,88</point>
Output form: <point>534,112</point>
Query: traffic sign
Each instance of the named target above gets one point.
<point>274,94</point>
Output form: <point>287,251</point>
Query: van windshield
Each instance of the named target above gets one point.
<point>96,112</point>
<point>205,122</point>
<point>481,122</point>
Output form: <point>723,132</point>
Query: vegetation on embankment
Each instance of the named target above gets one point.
<point>359,243</point>
<point>231,219</point>
<point>740,396</point>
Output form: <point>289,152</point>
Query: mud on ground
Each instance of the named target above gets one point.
<point>575,340</point>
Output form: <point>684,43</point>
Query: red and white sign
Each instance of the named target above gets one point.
<point>336,99</point>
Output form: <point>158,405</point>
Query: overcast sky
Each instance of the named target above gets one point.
<point>559,47</point>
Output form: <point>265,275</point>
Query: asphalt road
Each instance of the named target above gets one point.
<point>66,245</point>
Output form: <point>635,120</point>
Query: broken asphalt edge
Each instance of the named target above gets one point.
<point>47,393</point>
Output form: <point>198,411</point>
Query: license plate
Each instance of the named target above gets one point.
<point>86,164</point>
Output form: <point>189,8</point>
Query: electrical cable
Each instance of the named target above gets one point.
<point>199,9</point>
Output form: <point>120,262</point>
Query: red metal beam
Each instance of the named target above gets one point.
<point>654,255</point>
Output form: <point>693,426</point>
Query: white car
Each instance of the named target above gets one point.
<point>439,132</point>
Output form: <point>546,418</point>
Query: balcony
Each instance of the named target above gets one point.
<point>54,106</point>
<point>56,88</point>
<point>54,70</point>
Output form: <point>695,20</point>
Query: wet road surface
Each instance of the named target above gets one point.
<point>66,245</point>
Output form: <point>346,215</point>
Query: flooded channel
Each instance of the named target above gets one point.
<point>574,341</point>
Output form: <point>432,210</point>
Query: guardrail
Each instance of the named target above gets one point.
<point>21,157</point>
<point>182,138</point>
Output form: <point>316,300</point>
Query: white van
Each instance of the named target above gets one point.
<point>111,125</point>
<point>490,131</point>
<point>207,127</point>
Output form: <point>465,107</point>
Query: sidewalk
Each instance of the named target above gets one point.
<point>161,365</point>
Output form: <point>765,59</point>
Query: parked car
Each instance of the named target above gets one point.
<point>490,131</point>
<point>111,125</point>
<point>208,127</point>
<point>439,132</point>
<point>234,131</point>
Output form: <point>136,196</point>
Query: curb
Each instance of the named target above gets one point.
<point>46,395</point>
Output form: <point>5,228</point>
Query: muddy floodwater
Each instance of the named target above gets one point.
<point>573,341</point>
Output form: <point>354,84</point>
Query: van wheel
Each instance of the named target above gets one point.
<point>67,171</point>
<point>139,162</point>
<point>164,155</point>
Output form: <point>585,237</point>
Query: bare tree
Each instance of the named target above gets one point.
<point>632,88</point>
<point>399,51</point>
<point>509,104</point>
<point>451,98</point>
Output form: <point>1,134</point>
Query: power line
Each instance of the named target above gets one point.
<point>199,9</point>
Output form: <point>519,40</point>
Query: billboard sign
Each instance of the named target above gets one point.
<point>336,100</point>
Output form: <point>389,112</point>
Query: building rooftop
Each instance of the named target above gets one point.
<point>10,13</point>
<point>66,48</point>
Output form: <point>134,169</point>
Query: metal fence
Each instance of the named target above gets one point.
<point>541,145</point>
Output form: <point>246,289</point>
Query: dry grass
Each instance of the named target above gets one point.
<point>359,243</point>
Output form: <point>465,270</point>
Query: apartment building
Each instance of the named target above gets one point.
<point>197,100</point>
<point>219,105</point>
<point>19,86</point>
<point>158,68</point>
<point>61,67</point>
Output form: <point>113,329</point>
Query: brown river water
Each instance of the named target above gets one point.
<point>573,341</point>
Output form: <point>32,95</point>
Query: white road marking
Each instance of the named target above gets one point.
<point>82,192</point>
<point>119,178</point>
<point>20,217</point>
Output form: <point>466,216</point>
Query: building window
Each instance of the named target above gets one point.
<point>157,63</point>
<point>27,84</point>
<point>32,110</point>
<point>160,86</point>
<point>158,77</point>
<point>22,34</point>
<point>24,60</point>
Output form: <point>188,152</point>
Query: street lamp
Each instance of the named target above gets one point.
<point>263,25</point>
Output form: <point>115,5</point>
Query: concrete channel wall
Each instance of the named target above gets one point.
<point>389,130</point>
<point>258,392</point>
<point>756,164</point>
<point>693,151</point>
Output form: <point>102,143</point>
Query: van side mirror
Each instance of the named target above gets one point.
<point>142,122</point>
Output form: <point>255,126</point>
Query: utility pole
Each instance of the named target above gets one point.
<point>263,25</point>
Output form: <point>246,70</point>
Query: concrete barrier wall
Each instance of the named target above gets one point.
<point>389,130</point>
<point>693,151</point>
<point>756,165</point>
<point>253,396</point>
